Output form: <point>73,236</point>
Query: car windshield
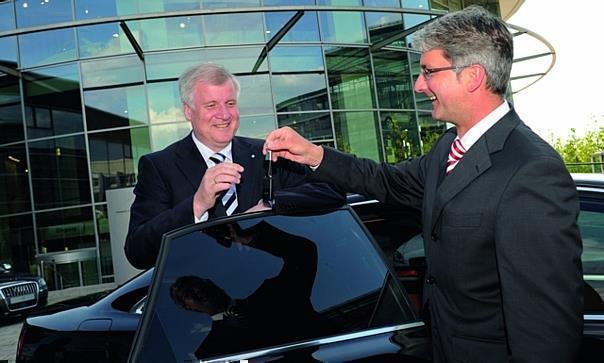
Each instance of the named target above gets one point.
<point>263,280</point>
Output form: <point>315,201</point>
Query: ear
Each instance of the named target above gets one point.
<point>476,77</point>
<point>188,111</point>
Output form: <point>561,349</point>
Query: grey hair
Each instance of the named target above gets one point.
<point>472,36</point>
<point>207,73</point>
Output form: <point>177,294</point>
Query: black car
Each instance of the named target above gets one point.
<point>355,313</point>
<point>20,292</point>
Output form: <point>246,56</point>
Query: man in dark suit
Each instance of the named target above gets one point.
<point>211,172</point>
<point>503,249</point>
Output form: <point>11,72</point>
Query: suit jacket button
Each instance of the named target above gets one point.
<point>430,280</point>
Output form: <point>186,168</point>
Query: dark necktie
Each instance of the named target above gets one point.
<point>229,199</point>
<point>455,154</point>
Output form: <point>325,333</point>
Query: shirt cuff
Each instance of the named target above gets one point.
<point>204,217</point>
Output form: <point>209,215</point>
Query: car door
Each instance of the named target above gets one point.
<point>261,286</point>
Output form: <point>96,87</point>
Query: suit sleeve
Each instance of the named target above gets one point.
<point>293,191</point>
<point>393,184</point>
<point>151,215</point>
<point>538,248</point>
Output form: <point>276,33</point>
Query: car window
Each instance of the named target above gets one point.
<point>259,282</point>
<point>591,222</point>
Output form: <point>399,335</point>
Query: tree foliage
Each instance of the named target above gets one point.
<point>578,152</point>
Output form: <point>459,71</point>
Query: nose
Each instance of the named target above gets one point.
<point>222,112</point>
<point>420,84</point>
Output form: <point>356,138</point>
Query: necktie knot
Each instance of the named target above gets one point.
<point>455,154</point>
<point>217,158</point>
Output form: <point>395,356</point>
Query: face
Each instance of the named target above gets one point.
<point>215,115</point>
<point>445,88</point>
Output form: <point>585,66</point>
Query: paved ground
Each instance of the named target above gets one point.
<point>9,333</point>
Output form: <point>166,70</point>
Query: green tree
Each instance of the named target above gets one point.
<point>577,151</point>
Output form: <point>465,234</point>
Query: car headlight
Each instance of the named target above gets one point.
<point>42,283</point>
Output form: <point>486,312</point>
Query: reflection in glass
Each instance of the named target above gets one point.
<point>299,92</point>
<point>165,134</point>
<point>90,9</point>
<point>102,40</point>
<point>306,28</point>
<point>393,79</point>
<point>11,117</point>
<point>213,4</point>
<point>288,2</point>
<point>52,46</point>
<point>14,184</point>
<point>115,107</point>
<point>256,126</point>
<point>350,80</point>
<point>255,97</point>
<point>383,25</point>
<point>315,126</point>
<point>356,133</point>
<point>17,242</point>
<point>52,101</point>
<point>170,33</point>
<point>401,136</point>
<point>296,59</point>
<point>430,130</point>
<point>59,172</point>
<point>102,226</point>
<point>7,16</point>
<point>234,29</point>
<point>65,230</point>
<point>32,13</point>
<point>112,71</point>
<point>342,27</point>
<point>114,158</point>
<point>164,102</point>
<point>8,52</point>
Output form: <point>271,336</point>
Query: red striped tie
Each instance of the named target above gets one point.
<point>456,153</point>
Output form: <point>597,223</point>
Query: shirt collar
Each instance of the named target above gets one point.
<point>206,152</point>
<point>473,134</point>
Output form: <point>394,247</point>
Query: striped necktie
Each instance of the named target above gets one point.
<point>456,153</point>
<point>229,199</point>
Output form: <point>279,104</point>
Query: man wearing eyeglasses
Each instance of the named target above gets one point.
<point>503,249</point>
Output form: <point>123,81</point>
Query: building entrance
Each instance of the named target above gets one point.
<point>63,270</point>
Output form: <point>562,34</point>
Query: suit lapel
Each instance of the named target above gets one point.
<point>190,162</point>
<point>475,161</point>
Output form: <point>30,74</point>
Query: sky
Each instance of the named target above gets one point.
<point>570,95</point>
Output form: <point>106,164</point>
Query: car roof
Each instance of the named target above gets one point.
<point>595,180</point>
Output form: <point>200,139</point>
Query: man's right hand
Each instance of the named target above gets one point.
<point>288,144</point>
<point>215,180</point>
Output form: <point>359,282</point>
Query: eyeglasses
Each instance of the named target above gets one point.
<point>428,72</point>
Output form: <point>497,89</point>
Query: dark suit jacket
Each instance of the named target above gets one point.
<point>504,276</point>
<point>168,179</point>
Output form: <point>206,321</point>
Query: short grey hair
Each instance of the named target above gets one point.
<point>207,73</point>
<point>472,36</point>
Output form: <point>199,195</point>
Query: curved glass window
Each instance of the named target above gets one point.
<point>300,92</point>
<point>115,107</point>
<point>314,126</point>
<point>393,79</point>
<point>32,13</point>
<point>342,27</point>
<point>14,184</point>
<point>11,117</point>
<point>52,101</point>
<point>170,33</point>
<point>224,29</point>
<point>211,4</point>
<point>48,47</point>
<point>90,9</point>
<point>17,242</point>
<point>357,133</point>
<point>165,134</point>
<point>296,59</point>
<point>102,40</point>
<point>256,126</point>
<point>400,135</point>
<point>114,158</point>
<point>8,51</point>
<point>164,102</point>
<point>65,230</point>
<point>7,16</point>
<point>112,71</point>
<point>59,172</point>
<point>255,97</point>
<point>430,130</point>
<point>350,79</point>
<point>306,28</point>
<point>383,25</point>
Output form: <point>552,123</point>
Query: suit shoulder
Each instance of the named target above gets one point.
<point>524,140</point>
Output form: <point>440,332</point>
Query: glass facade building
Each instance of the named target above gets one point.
<point>87,87</point>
